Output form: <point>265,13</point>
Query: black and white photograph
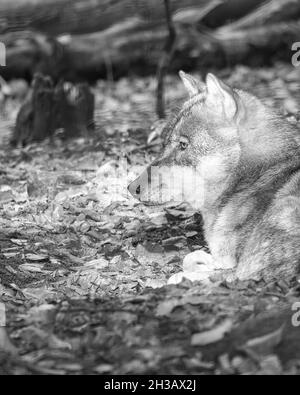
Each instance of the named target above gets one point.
<point>150,190</point>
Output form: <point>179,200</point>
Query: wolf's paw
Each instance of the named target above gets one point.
<point>198,261</point>
<point>197,266</point>
<point>177,278</point>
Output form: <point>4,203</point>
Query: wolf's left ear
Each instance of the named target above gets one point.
<point>192,85</point>
<point>221,98</point>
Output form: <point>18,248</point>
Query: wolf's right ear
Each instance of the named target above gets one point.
<point>221,98</point>
<point>193,86</point>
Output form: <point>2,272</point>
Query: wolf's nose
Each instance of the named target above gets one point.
<point>135,189</point>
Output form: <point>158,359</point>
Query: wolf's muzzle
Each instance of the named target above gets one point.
<point>135,189</point>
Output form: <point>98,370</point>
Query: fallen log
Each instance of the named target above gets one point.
<point>266,41</point>
<point>56,17</point>
<point>28,53</point>
<point>230,11</point>
<point>139,48</point>
<point>273,11</point>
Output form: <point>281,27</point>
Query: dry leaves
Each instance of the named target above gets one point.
<point>84,267</point>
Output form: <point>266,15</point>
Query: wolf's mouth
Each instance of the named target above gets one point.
<point>153,204</point>
<point>159,204</point>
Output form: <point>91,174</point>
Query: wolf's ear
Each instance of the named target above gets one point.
<point>193,86</point>
<point>221,97</point>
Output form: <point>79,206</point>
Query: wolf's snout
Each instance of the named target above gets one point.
<point>135,189</point>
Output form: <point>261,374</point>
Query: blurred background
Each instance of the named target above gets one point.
<point>91,39</point>
<point>127,47</point>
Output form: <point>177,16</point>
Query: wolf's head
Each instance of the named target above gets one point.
<point>216,133</point>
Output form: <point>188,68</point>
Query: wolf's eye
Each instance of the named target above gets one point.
<point>183,143</point>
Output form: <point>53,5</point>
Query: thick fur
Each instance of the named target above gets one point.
<point>237,162</point>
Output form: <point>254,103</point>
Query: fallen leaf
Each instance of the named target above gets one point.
<point>5,344</point>
<point>41,316</point>
<point>58,344</point>
<point>265,345</point>
<point>212,336</point>
<point>20,242</point>
<point>36,257</point>
<point>41,338</point>
<point>155,284</point>
<point>97,264</point>
<point>33,268</point>
<point>166,307</point>
<point>195,300</point>
<point>6,196</point>
<point>271,366</point>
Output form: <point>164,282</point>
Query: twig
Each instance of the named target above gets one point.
<point>165,62</point>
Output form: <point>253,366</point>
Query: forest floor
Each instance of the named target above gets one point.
<point>84,267</point>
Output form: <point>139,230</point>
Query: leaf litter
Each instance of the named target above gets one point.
<point>84,268</point>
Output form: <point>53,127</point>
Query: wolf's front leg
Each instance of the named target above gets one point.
<point>201,266</point>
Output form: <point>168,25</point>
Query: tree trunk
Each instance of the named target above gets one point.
<point>49,108</point>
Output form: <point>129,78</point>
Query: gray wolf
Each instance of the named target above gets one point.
<point>237,161</point>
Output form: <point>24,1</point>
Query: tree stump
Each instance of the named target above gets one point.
<point>48,108</point>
